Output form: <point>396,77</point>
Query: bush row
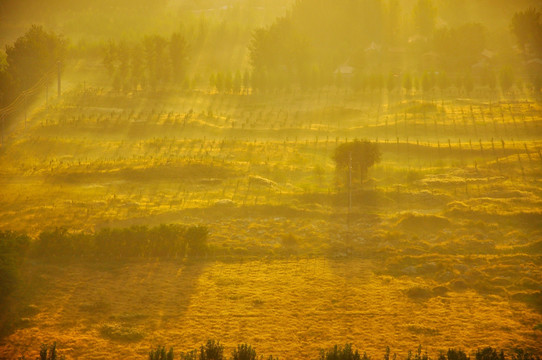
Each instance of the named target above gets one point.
<point>163,241</point>
<point>214,350</point>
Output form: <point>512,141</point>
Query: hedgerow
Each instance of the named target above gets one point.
<point>171,241</point>
<point>214,350</point>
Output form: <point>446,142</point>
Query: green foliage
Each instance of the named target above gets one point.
<point>459,47</point>
<point>521,354</point>
<point>280,51</point>
<point>31,56</point>
<point>163,241</point>
<point>489,353</point>
<point>342,353</point>
<point>212,350</point>
<point>418,355</point>
<point>454,354</point>
<point>244,352</point>
<point>361,154</point>
<point>527,27</point>
<point>190,355</point>
<point>160,354</point>
<point>196,239</point>
<point>151,62</point>
<point>49,353</point>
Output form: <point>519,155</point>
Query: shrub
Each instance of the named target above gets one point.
<point>489,353</point>
<point>160,354</point>
<point>244,352</point>
<point>49,353</point>
<point>212,350</point>
<point>520,354</point>
<point>196,240</point>
<point>454,354</point>
<point>418,355</point>
<point>361,155</point>
<point>167,241</point>
<point>342,353</point>
<point>54,243</point>
<point>191,355</point>
<point>14,243</point>
<point>164,241</point>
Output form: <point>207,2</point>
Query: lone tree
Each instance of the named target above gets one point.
<point>31,56</point>
<point>363,153</point>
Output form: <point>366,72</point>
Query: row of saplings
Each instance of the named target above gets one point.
<point>214,350</point>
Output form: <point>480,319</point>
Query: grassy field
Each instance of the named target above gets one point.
<point>442,247</point>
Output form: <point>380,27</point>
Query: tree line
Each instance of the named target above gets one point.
<point>318,42</point>
<point>171,241</point>
<point>35,54</point>
<point>153,62</point>
<point>366,45</point>
<point>214,350</point>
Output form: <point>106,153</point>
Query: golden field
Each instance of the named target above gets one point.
<point>441,248</point>
<point>290,308</point>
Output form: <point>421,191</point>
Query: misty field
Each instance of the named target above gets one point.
<point>441,247</point>
<point>308,177</point>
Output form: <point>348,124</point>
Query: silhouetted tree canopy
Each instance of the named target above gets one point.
<point>527,27</point>
<point>364,155</point>
<point>29,58</point>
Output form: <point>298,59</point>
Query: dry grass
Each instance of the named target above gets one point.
<point>446,231</point>
<point>289,308</point>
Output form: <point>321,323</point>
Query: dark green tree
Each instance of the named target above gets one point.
<point>212,350</point>
<point>196,240</point>
<point>244,352</point>
<point>362,154</point>
<point>155,51</point>
<point>527,27</point>
<point>30,57</point>
<point>489,353</point>
<point>342,353</point>
<point>178,53</point>
<point>160,354</point>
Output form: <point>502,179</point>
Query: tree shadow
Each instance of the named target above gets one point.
<point>128,297</point>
